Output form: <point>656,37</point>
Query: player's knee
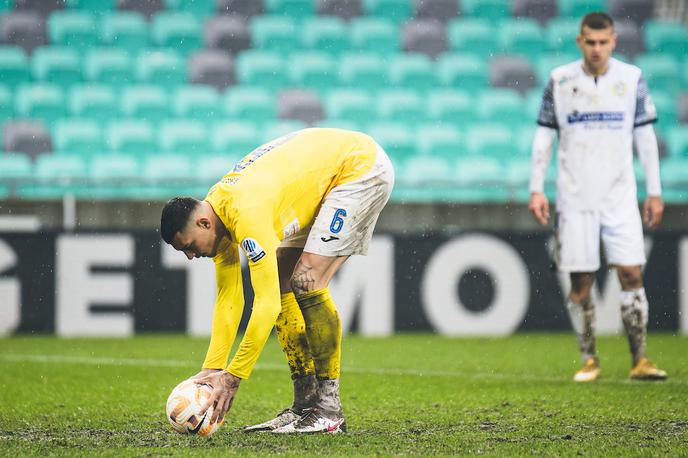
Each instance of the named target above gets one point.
<point>630,277</point>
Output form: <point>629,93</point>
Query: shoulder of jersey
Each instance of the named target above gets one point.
<point>626,68</point>
<point>566,72</point>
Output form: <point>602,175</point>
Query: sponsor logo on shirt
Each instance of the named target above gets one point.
<point>595,116</point>
<point>254,252</point>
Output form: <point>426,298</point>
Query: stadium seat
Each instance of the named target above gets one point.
<point>28,137</point>
<point>440,140</point>
<point>521,36</point>
<point>424,36</point>
<point>277,129</point>
<point>677,142</point>
<point>438,10</point>
<point>667,108</point>
<point>25,29</point>
<point>474,35</point>
<point>451,106</point>
<point>40,101</point>
<point>480,179</point>
<point>133,136</point>
<point>325,33</point>
<point>350,104</point>
<point>513,72</point>
<point>629,40</point>
<point>486,8</point>
<point>57,174</point>
<point>95,102</point>
<point>176,30</point>
<point>540,10</point>
<point>666,37</point>
<point>212,167</point>
<point>184,136</point>
<point>147,8</point>
<point>395,138</point>
<point>491,140</point>
<point>76,29</point>
<point>301,105</point>
<point>15,166</point>
<point>533,104</point>
<point>6,105</point>
<point>227,33</point>
<point>545,63</point>
<point>338,123</point>
<point>14,66</point>
<point>502,106</point>
<point>199,8</point>
<point>126,30</point>
<point>295,8</point>
<point>249,103</point>
<point>79,136</point>
<point>111,66</point>
<point>374,34</point>
<point>635,10</point>
<point>165,68</point>
<point>674,173</point>
<point>561,33</point>
<point>42,7</point>
<point>275,33</point>
<point>212,68</point>
<point>414,71</point>
<point>166,175</point>
<point>395,10</point>
<point>264,68</point>
<point>243,8</point>
<point>56,65</point>
<point>112,176</point>
<point>462,71</point>
<point>236,138</point>
<point>363,71</point>
<point>92,6</point>
<point>198,102</point>
<point>523,139</point>
<point>148,102</point>
<point>401,105</point>
<point>661,71</point>
<point>345,9</point>
<point>431,178</point>
<point>312,69</point>
<point>576,9</point>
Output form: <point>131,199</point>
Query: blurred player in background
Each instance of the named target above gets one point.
<point>598,107</point>
<point>298,206</point>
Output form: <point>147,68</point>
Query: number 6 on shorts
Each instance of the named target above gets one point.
<point>337,221</point>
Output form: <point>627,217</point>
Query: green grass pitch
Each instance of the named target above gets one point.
<point>405,395</point>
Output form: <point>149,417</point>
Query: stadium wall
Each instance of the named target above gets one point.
<point>117,283</point>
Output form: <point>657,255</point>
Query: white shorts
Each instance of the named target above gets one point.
<point>578,236</point>
<point>345,223</point>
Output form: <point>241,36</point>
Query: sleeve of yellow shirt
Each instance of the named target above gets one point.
<point>229,306</point>
<point>260,245</point>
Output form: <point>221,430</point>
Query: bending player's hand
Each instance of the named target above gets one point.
<point>653,211</point>
<point>539,207</point>
<point>225,386</point>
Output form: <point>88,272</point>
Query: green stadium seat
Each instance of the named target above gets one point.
<point>262,68</point>
<point>176,30</point>
<point>184,136</point>
<point>56,65</point>
<point>249,103</point>
<point>146,102</point>
<point>350,104</point>
<point>295,8</point>
<point>462,71</point>
<point>545,63</point>
<point>199,8</point>
<point>76,29</point>
<point>502,106</point>
<point>235,138</point>
<point>125,29</point>
<point>374,34</point>
<point>661,71</point>
<point>401,105</point>
<point>325,33</point>
<point>79,136</point>
<point>95,102</point>
<point>15,166</point>
<point>440,140</point>
<point>533,103</point>
<point>165,68</point>
<point>674,173</point>
<point>163,173</point>
<point>41,101</point>
<point>394,10</point>
<point>579,8</point>
<point>277,129</point>
<point>491,140</point>
<point>451,106</point>
<point>6,106</point>
<point>517,178</point>
<point>113,176</point>
<point>480,179</point>
<point>523,138</point>
<point>666,37</point>
<point>57,174</point>
<point>14,66</point>
<point>424,179</point>
<point>414,71</point>
<point>677,142</point>
<point>363,71</point>
<point>133,136</point>
<point>666,109</point>
<point>198,102</point>
<point>213,167</point>
<point>338,123</point>
<point>395,138</point>
<point>93,6</point>
<point>312,69</point>
<point>486,8</point>
<point>111,66</point>
<point>474,35</point>
<point>274,33</point>
<point>521,36</point>
<point>561,34</point>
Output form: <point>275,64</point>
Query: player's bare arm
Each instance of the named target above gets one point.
<point>653,209</point>
<point>539,207</point>
<point>225,386</point>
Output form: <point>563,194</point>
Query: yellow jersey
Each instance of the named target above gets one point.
<point>272,193</point>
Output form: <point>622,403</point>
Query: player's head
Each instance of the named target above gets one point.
<point>597,40</point>
<point>190,226</point>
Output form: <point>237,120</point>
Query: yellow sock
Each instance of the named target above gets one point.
<point>324,330</point>
<point>291,333</point>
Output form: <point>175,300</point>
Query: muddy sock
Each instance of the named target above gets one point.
<point>634,312</point>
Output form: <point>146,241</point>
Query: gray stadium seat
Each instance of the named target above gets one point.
<point>629,39</point>
<point>29,137</point>
<point>146,7</point>
<point>634,10</point>
<point>23,28</point>
<point>540,10</point>
<point>441,10</point>
<point>345,9</point>
<point>425,36</point>
<point>212,68</point>
<point>682,112</point>
<point>514,72</point>
<point>43,7</point>
<point>230,33</point>
<point>301,105</point>
<point>243,8</point>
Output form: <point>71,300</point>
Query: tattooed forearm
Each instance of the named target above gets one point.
<point>303,279</point>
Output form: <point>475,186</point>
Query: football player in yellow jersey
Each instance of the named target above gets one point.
<point>298,207</point>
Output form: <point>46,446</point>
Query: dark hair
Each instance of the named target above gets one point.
<point>597,20</point>
<point>175,215</point>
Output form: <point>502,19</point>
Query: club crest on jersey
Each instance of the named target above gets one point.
<point>619,89</point>
<point>254,252</point>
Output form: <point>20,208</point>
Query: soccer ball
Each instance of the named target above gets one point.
<point>183,406</point>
